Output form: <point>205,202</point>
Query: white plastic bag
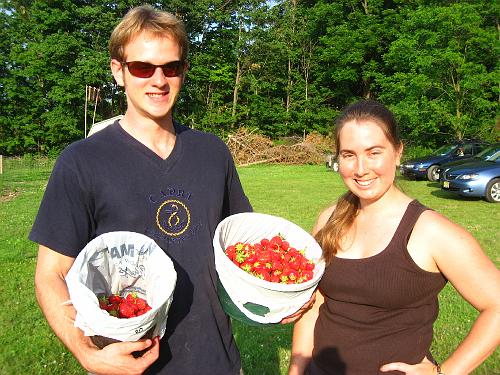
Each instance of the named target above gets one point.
<point>248,298</point>
<point>119,263</point>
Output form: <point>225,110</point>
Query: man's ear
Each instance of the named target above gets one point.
<point>117,70</point>
<point>186,68</point>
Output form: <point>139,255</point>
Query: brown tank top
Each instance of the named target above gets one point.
<point>377,310</point>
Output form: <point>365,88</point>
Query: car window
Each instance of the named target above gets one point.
<point>477,148</point>
<point>495,157</point>
<point>467,150</point>
<point>445,150</point>
<point>489,153</point>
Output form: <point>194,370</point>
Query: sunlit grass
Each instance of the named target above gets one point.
<point>297,193</point>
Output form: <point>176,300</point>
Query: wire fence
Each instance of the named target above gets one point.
<point>12,163</point>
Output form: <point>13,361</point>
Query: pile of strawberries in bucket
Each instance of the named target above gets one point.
<point>124,307</point>
<point>273,260</point>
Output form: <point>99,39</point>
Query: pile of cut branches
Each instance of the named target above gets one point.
<point>250,148</point>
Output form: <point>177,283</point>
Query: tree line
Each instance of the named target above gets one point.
<point>280,68</point>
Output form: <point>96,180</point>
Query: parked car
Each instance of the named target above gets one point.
<point>331,163</point>
<point>427,166</point>
<point>479,178</point>
<point>487,154</point>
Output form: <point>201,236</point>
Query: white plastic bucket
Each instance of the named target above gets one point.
<point>248,298</point>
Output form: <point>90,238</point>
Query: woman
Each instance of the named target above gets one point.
<point>387,258</point>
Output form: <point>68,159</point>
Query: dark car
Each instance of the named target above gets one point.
<point>427,166</point>
<point>487,154</point>
<point>479,178</point>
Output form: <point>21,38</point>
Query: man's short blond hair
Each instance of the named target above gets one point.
<point>147,19</point>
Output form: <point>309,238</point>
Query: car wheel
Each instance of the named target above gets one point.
<point>432,173</point>
<point>493,191</point>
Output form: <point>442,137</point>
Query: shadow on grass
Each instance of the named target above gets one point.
<point>435,185</point>
<point>263,348</point>
<point>450,196</point>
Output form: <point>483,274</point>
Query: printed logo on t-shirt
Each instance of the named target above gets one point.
<point>173,217</point>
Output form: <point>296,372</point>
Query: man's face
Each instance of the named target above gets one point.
<point>154,97</point>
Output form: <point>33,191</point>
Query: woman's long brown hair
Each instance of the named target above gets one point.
<point>342,219</point>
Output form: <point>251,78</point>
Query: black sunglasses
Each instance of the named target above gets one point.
<point>146,70</point>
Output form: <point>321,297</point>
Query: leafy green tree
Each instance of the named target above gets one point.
<point>444,72</point>
<point>279,67</point>
<point>61,46</point>
<point>8,139</point>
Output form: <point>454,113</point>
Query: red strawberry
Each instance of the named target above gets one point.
<point>307,275</point>
<point>293,275</point>
<point>141,303</point>
<point>276,273</point>
<point>114,298</point>
<point>265,256</point>
<point>294,264</point>
<point>273,260</point>
<point>309,266</point>
<point>275,278</point>
<point>144,310</point>
<point>262,273</point>
<point>276,265</point>
<point>231,253</point>
<point>253,257</point>
<point>127,307</point>
<point>131,297</point>
<point>277,241</point>
<point>126,310</point>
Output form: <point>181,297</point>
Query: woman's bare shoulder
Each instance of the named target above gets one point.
<point>436,233</point>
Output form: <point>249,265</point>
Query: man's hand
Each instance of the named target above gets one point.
<point>119,359</point>
<point>296,316</point>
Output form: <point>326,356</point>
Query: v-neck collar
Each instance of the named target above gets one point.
<point>164,164</point>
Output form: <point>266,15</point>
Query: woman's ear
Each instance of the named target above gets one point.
<point>117,71</point>
<point>399,154</point>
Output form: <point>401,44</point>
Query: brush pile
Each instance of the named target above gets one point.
<point>250,148</point>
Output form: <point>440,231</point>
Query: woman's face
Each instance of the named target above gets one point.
<point>367,159</point>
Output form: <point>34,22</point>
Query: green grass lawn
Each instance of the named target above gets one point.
<point>297,193</point>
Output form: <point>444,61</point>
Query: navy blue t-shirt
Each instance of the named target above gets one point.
<point>112,182</point>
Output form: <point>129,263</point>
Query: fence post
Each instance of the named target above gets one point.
<point>1,164</point>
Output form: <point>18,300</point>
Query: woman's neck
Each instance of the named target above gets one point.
<point>392,198</point>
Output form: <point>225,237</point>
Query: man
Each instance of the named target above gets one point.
<point>147,174</point>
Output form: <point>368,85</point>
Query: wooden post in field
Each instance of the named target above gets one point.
<point>85,115</point>
<point>1,164</point>
<point>91,95</point>
<point>96,98</point>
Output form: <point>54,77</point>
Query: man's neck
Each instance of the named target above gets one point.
<point>158,136</point>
